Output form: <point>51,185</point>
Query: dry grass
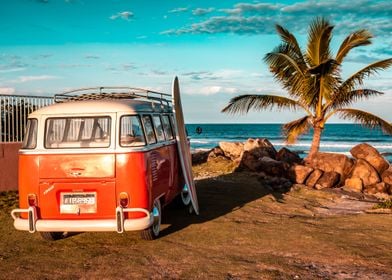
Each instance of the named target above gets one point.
<point>243,232</point>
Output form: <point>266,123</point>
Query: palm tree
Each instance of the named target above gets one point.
<point>314,83</point>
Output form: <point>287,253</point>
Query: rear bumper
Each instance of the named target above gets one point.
<point>120,224</point>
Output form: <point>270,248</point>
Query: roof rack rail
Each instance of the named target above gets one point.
<point>100,93</point>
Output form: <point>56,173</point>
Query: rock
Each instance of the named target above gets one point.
<point>288,156</point>
<point>376,188</point>
<point>265,164</point>
<point>328,180</point>
<point>232,150</point>
<point>313,178</point>
<point>362,169</point>
<point>260,147</point>
<point>215,153</point>
<point>386,176</point>
<point>299,173</point>
<point>371,155</point>
<point>328,162</point>
<point>249,162</point>
<point>200,157</point>
<point>353,184</point>
<point>273,167</point>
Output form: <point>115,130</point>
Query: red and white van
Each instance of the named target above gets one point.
<point>101,159</point>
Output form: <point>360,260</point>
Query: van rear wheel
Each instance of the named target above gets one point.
<point>52,236</point>
<point>153,231</point>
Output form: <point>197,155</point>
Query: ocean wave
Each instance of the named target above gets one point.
<point>331,145</point>
<point>200,141</point>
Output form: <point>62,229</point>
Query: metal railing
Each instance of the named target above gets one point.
<point>14,110</point>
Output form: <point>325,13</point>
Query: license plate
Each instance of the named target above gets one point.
<point>78,203</point>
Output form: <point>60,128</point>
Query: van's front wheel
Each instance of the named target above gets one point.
<point>52,236</point>
<point>153,231</point>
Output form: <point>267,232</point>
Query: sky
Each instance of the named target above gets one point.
<point>216,48</point>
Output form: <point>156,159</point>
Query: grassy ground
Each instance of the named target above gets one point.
<point>243,232</point>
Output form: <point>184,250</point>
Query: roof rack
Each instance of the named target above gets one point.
<point>100,93</point>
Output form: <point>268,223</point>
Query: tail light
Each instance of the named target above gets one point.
<point>124,199</point>
<point>32,199</point>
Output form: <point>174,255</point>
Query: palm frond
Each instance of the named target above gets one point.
<point>357,78</point>
<point>320,33</point>
<point>290,39</point>
<point>293,129</point>
<point>342,99</point>
<point>365,118</point>
<point>355,39</point>
<point>242,104</point>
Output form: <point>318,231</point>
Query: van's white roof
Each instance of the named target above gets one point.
<point>131,106</point>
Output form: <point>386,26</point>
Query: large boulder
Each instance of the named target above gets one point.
<point>329,179</point>
<point>288,156</point>
<point>313,178</point>
<point>200,157</point>
<point>329,162</point>
<point>232,150</point>
<point>273,167</point>
<point>386,176</point>
<point>215,153</point>
<point>353,184</point>
<point>260,147</point>
<point>299,173</point>
<point>264,164</point>
<point>376,188</point>
<point>371,155</point>
<point>362,169</point>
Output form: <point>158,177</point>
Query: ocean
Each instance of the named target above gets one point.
<point>337,138</point>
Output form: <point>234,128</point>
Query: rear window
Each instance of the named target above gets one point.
<point>30,138</point>
<point>77,132</point>
<point>131,132</point>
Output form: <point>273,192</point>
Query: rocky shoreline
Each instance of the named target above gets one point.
<point>367,172</point>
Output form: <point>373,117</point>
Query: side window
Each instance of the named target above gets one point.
<point>158,128</point>
<point>167,127</point>
<point>30,137</point>
<point>131,132</point>
<point>149,129</point>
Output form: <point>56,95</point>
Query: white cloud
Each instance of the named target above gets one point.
<point>10,70</point>
<point>126,15</point>
<point>211,90</point>
<point>178,10</point>
<point>7,90</point>
<point>202,11</point>
<point>24,79</point>
<point>260,18</point>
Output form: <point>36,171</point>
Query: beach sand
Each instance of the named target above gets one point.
<point>244,231</point>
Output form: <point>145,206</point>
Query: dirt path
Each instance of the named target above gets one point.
<point>243,232</point>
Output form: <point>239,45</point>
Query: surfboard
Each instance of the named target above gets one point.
<point>182,144</point>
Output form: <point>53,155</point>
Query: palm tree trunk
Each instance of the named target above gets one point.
<point>317,131</point>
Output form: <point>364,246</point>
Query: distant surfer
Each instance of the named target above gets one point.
<point>199,130</point>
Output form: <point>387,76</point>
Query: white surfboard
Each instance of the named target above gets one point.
<point>182,144</point>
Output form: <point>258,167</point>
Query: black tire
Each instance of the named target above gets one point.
<point>183,199</point>
<point>52,236</point>
<point>153,231</point>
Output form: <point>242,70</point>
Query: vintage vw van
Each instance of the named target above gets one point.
<point>101,159</point>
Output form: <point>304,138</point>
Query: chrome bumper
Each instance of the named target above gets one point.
<point>120,224</point>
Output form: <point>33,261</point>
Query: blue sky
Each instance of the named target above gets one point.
<point>214,47</point>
